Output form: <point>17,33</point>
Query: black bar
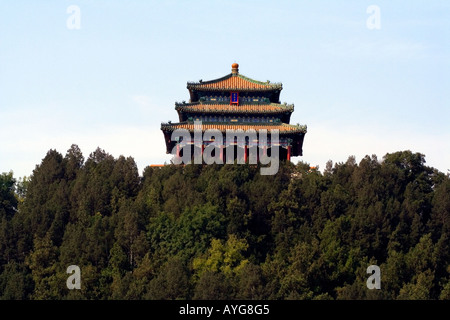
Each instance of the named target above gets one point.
<point>242,309</point>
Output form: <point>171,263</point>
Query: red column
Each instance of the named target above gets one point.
<point>245,154</point>
<point>203,149</point>
<point>257,153</point>
<point>221,153</point>
<point>289,153</point>
<point>178,150</point>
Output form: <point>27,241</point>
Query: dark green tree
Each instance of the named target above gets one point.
<point>8,201</point>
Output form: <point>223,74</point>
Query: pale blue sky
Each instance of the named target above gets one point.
<point>112,82</point>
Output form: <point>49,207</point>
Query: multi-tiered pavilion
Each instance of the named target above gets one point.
<point>236,102</point>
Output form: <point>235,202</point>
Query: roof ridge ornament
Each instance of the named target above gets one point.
<point>235,69</point>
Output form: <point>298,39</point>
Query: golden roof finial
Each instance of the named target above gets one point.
<point>235,68</point>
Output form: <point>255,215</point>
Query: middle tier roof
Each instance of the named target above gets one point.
<point>198,107</point>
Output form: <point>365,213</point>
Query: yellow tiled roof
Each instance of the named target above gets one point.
<point>234,82</point>
<point>283,127</point>
<point>242,108</point>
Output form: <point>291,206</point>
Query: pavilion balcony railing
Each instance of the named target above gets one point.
<point>241,102</point>
<point>253,143</point>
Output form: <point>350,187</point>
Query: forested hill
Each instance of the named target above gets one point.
<point>225,231</point>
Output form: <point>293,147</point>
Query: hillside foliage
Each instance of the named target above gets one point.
<point>225,231</point>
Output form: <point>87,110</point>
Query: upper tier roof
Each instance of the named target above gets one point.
<point>234,82</point>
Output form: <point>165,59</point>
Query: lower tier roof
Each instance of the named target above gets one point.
<point>282,127</point>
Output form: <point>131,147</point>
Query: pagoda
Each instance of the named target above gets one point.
<point>237,102</point>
